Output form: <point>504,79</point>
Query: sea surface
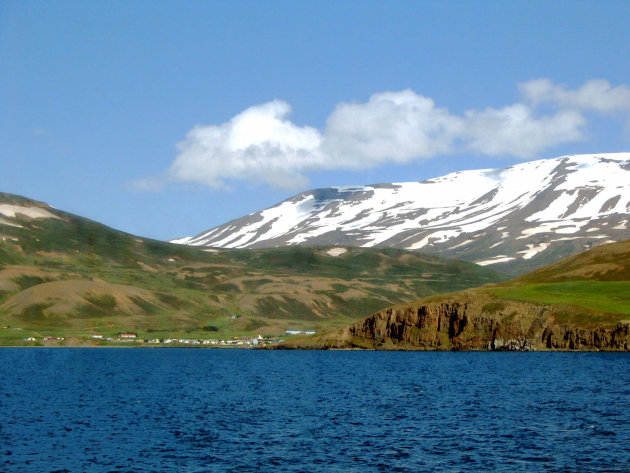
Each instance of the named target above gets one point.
<point>207,410</point>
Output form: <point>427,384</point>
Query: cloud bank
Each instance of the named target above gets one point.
<point>595,95</point>
<point>259,144</point>
<point>262,145</point>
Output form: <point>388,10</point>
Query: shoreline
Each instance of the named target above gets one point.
<point>292,349</point>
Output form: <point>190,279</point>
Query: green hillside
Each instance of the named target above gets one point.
<point>64,275</point>
<point>604,263</point>
<point>582,302</point>
<point>593,284</point>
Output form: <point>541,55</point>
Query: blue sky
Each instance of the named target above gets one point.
<point>164,119</point>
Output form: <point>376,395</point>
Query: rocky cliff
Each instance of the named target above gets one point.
<point>475,321</point>
<point>579,303</point>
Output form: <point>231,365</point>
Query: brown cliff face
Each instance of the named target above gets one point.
<point>601,339</point>
<point>475,322</point>
<point>429,327</point>
<point>489,317</point>
<point>472,320</point>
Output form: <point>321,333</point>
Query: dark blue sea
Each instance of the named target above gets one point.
<point>196,410</point>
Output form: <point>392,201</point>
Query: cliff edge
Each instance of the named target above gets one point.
<point>581,303</point>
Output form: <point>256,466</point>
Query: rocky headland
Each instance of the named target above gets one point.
<point>474,321</point>
<point>579,303</point>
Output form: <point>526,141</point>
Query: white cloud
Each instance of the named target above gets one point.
<point>391,126</point>
<point>148,184</point>
<point>594,95</point>
<point>262,145</point>
<point>516,131</point>
<point>259,144</point>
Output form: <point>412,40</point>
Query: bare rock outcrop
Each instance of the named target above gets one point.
<point>476,321</point>
<point>600,339</point>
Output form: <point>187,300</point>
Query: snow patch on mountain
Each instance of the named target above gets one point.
<point>495,260</point>
<point>336,251</point>
<point>472,215</point>
<point>532,250</point>
<point>9,224</point>
<point>11,211</point>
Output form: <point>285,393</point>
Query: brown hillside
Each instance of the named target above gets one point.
<point>603,263</point>
<point>483,319</point>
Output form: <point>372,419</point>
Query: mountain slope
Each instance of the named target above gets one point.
<point>582,302</point>
<point>515,219</point>
<point>68,275</point>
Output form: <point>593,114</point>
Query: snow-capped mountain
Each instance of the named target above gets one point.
<point>514,218</point>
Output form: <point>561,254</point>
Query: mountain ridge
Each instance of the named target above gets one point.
<point>514,219</point>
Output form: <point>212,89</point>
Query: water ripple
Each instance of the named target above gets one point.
<point>82,410</point>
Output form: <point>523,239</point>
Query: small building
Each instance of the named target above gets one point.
<point>97,337</point>
<point>50,338</point>
<point>30,339</point>
<point>128,335</point>
<point>294,332</point>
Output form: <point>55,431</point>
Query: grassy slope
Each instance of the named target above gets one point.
<point>589,291</point>
<point>605,296</point>
<point>597,280</point>
<point>74,276</point>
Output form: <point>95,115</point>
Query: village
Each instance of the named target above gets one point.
<point>243,341</point>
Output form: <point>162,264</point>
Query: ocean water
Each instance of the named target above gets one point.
<point>195,410</point>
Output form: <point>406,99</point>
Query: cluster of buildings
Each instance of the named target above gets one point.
<point>47,338</point>
<point>236,341</point>
<point>122,337</point>
<point>244,341</point>
<point>294,331</point>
